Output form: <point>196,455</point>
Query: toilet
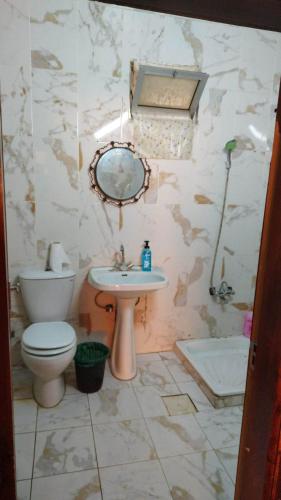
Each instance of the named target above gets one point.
<point>49,344</point>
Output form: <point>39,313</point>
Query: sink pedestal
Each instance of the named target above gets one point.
<point>123,356</point>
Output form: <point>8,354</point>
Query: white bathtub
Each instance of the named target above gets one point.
<point>220,363</point>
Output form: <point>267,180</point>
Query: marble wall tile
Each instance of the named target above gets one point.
<point>19,168</point>
<point>54,103</point>
<point>253,116</point>
<point>20,235</point>
<point>56,171</point>
<point>50,25</point>
<point>60,224</point>
<point>14,32</point>
<point>16,99</point>
<point>258,59</point>
<point>103,105</point>
<point>100,38</point>
<point>143,36</point>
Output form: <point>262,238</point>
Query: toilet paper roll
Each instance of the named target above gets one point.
<point>58,260</point>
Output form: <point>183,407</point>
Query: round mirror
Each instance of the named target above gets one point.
<point>118,175</point>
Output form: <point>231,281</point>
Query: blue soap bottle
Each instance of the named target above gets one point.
<point>146,257</point>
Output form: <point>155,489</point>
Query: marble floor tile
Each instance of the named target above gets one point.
<point>178,371</point>
<point>222,427</point>
<point>24,446</point>
<point>22,383</point>
<point>164,356</point>
<point>139,481</point>
<point>65,450</point>
<point>72,411</point>
<point>194,392</point>
<point>229,457</point>
<point>109,405</point>
<point>198,476</point>
<point>149,398</point>
<point>23,489</point>
<point>25,413</point>
<point>152,373</point>
<point>176,435</point>
<point>179,405</point>
<point>147,358</point>
<point>110,382</point>
<point>123,442</point>
<point>83,485</point>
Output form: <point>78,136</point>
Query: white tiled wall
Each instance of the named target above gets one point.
<point>64,74</point>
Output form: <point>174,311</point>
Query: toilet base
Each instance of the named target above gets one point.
<point>48,393</point>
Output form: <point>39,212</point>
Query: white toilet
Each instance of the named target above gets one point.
<point>49,343</point>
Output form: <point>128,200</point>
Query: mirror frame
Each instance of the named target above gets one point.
<point>95,186</point>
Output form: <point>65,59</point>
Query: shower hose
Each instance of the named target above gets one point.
<point>220,226</point>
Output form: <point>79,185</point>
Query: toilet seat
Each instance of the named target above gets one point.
<point>48,339</point>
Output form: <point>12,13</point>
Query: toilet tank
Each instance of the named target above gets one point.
<point>47,295</point>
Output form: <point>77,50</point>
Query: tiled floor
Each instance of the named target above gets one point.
<point>122,443</point>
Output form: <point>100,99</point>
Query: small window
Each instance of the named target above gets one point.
<point>165,89</point>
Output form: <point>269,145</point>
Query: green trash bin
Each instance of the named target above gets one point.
<point>90,361</point>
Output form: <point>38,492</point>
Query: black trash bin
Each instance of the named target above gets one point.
<point>90,361</point>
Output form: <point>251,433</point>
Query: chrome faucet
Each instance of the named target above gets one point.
<point>122,251</point>
<point>122,265</point>
<point>223,293</point>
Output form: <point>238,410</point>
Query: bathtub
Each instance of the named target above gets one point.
<point>219,365</point>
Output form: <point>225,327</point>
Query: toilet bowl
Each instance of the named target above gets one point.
<point>47,349</point>
<point>49,344</point>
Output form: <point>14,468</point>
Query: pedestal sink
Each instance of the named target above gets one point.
<point>127,286</point>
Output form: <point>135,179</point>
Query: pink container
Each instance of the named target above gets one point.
<point>247,326</point>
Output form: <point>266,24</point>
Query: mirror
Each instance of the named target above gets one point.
<point>118,175</point>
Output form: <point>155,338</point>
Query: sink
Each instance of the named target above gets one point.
<point>127,286</point>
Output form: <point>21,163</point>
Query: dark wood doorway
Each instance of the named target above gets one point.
<point>7,455</point>
<point>259,471</point>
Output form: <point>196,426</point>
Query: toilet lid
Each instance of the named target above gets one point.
<point>51,335</point>
<point>47,352</point>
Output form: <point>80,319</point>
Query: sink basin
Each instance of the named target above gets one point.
<point>127,284</point>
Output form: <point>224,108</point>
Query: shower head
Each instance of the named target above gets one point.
<point>229,147</point>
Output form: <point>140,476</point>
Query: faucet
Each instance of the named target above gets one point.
<point>122,265</point>
<point>223,293</point>
<point>122,251</point>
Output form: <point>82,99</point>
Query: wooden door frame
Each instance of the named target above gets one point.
<point>7,452</point>
<point>259,471</point>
